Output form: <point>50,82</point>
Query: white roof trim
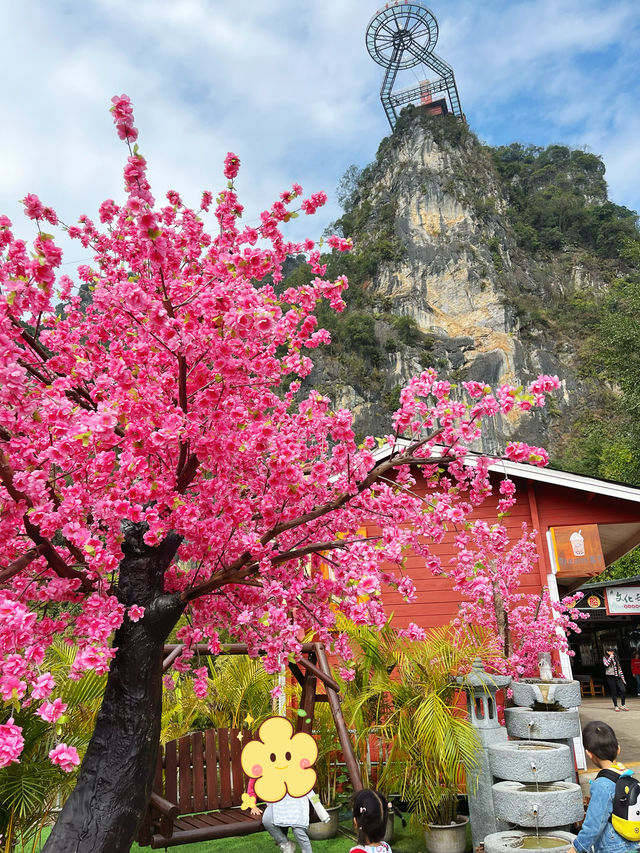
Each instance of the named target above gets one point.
<point>542,475</point>
<point>567,480</point>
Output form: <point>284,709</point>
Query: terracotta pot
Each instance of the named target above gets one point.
<point>447,839</point>
<point>321,831</point>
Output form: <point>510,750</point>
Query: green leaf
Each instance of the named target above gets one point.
<point>84,437</point>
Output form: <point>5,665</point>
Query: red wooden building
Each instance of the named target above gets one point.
<point>583,525</point>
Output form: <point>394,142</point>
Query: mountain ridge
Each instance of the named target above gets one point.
<point>485,263</point>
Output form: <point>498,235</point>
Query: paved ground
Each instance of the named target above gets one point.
<point>626,725</point>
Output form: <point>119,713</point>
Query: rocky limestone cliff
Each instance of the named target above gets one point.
<point>440,275</point>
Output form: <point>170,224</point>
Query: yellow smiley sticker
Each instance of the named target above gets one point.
<point>280,761</point>
<point>247,802</point>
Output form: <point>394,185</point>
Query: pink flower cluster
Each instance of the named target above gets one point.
<point>231,166</point>
<point>310,205</point>
<point>200,682</point>
<point>66,757</point>
<point>52,711</point>
<point>490,568</point>
<point>122,112</point>
<point>413,632</point>
<point>340,244</point>
<point>11,743</point>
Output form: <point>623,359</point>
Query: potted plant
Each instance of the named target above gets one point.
<point>431,741</point>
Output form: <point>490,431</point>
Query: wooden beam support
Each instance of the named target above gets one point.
<point>343,733</point>
<point>321,675</point>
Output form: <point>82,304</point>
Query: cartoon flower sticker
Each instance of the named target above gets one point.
<point>280,761</point>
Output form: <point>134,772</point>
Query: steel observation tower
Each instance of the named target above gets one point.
<point>403,35</point>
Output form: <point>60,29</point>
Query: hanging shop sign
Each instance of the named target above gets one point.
<point>622,600</point>
<point>578,550</point>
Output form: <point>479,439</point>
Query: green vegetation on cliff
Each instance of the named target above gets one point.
<point>558,196</point>
<point>581,253</point>
<point>559,202</point>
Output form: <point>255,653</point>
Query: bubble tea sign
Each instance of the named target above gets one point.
<point>578,550</point>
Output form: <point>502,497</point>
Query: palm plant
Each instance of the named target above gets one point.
<point>239,686</point>
<point>364,705</point>
<point>32,790</point>
<point>331,773</point>
<point>431,741</point>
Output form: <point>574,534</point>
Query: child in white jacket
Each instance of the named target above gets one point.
<point>290,812</point>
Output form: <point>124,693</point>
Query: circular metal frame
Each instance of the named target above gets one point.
<point>401,34</point>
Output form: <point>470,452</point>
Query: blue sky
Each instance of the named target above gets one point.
<point>289,86</point>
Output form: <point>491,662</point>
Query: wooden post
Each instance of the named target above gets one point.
<point>307,703</point>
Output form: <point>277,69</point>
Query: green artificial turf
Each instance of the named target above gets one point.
<point>405,841</point>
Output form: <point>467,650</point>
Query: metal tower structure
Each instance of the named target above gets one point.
<point>401,36</point>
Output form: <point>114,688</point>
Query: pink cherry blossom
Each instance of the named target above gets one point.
<point>42,686</point>
<point>200,684</point>
<point>412,632</point>
<point>11,743</point>
<point>33,206</point>
<point>231,166</point>
<point>135,613</point>
<point>65,757</point>
<point>52,711</point>
<point>11,687</point>
<point>276,692</point>
<point>171,404</point>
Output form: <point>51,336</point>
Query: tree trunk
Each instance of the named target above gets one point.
<point>104,811</point>
<point>502,620</point>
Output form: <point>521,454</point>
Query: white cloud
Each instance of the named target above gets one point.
<point>290,88</point>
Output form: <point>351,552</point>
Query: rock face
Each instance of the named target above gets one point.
<point>451,264</point>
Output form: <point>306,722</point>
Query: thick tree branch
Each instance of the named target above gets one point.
<point>47,550</point>
<point>182,401</point>
<point>21,563</point>
<point>239,575</point>
<point>244,565</point>
<point>31,341</point>
<point>189,471</point>
<point>182,379</point>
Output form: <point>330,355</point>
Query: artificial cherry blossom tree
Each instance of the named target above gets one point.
<point>158,461</point>
<point>488,570</point>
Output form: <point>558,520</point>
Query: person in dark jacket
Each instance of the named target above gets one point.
<point>615,679</point>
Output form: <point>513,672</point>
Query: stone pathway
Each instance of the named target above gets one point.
<point>625,725</point>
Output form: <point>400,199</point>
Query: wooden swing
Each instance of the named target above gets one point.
<point>199,781</point>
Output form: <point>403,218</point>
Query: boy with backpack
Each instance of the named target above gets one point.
<point>612,822</point>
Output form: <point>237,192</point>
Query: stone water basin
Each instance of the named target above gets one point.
<point>553,804</point>
<point>513,760</point>
<point>505,842</point>
<point>542,725</point>
<point>531,690</point>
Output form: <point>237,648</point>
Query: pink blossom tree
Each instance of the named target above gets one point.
<point>159,467</point>
<point>488,570</point>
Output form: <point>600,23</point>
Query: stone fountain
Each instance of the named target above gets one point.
<point>526,794</point>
